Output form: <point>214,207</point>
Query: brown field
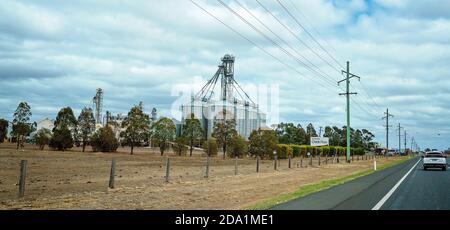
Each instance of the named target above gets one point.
<point>76,180</point>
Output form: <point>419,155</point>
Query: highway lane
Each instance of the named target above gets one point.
<point>423,190</point>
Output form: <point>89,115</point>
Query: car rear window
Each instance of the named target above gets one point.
<point>434,155</point>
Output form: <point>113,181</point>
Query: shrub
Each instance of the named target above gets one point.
<point>283,151</point>
<point>210,147</point>
<point>43,137</point>
<point>180,147</point>
<point>104,140</point>
<point>296,150</point>
<point>237,146</point>
<point>61,140</point>
<point>326,150</point>
<point>358,151</point>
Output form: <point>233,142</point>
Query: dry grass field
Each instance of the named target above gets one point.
<point>76,180</point>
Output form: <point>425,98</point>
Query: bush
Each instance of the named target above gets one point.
<point>43,137</point>
<point>283,151</point>
<point>358,151</point>
<point>325,150</point>
<point>61,140</point>
<point>237,147</point>
<point>104,140</point>
<point>296,150</point>
<point>210,147</point>
<point>180,147</point>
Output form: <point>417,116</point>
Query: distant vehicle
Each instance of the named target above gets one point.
<point>434,159</point>
<point>391,152</point>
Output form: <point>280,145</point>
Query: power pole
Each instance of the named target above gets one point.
<point>399,138</point>
<point>387,115</point>
<point>405,141</point>
<point>347,93</point>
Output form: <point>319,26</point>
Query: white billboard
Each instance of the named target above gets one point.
<point>320,141</point>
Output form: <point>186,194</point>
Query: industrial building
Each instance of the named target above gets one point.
<point>233,103</point>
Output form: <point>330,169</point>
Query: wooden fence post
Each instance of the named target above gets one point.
<point>207,167</point>
<point>301,162</point>
<point>112,173</point>
<point>257,164</point>
<point>236,166</point>
<point>275,163</point>
<point>23,175</point>
<point>167,169</point>
<point>289,163</point>
<point>319,160</point>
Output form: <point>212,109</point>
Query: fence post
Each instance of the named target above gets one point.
<point>352,157</point>
<point>319,160</point>
<point>337,159</point>
<point>167,169</point>
<point>275,163</point>
<point>207,167</point>
<point>289,161</point>
<point>236,166</point>
<point>112,173</point>
<point>301,162</point>
<point>257,164</point>
<point>23,175</point>
<point>326,160</point>
<point>310,160</point>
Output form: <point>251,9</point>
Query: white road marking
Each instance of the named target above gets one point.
<point>389,194</point>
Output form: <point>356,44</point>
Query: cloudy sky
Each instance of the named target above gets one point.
<point>56,53</point>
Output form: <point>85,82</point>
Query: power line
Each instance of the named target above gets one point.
<point>256,45</point>
<point>265,36</point>
<point>309,34</point>
<point>323,74</point>
<point>296,36</point>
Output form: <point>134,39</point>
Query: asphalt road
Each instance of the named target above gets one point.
<point>418,190</point>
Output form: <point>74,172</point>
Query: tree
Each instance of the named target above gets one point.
<point>223,131</point>
<point>180,147</point>
<point>64,130</point>
<point>104,140</point>
<point>86,125</point>
<point>237,146</point>
<point>43,138</point>
<point>192,131</point>
<point>288,133</point>
<point>262,142</point>
<point>310,132</point>
<point>367,137</point>
<point>210,147</point>
<point>137,127</point>
<point>21,123</point>
<point>4,124</point>
<point>61,139</point>
<point>66,120</point>
<point>163,132</point>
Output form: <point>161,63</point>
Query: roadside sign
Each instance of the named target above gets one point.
<point>320,141</point>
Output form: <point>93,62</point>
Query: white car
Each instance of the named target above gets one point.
<point>434,160</point>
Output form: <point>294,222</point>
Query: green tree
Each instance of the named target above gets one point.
<point>262,142</point>
<point>22,127</point>
<point>43,137</point>
<point>86,125</point>
<point>223,131</point>
<point>367,137</point>
<point>104,140</point>
<point>66,120</point>
<point>192,131</point>
<point>288,133</point>
<point>64,130</point>
<point>310,132</point>
<point>210,147</point>
<point>180,147</point>
<point>137,127</point>
<point>163,132</point>
<point>237,147</point>
<point>4,124</point>
<point>61,139</point>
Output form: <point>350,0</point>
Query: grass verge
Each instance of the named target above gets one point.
<point>312,188</point>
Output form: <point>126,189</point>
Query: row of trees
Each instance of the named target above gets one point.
<point>289,133</point>
<point>138,129</point>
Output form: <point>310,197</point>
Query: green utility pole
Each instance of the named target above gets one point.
<point>387,115</point>
<point>405,141</point>
<point>399,138</point>
<point>347,93</point>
